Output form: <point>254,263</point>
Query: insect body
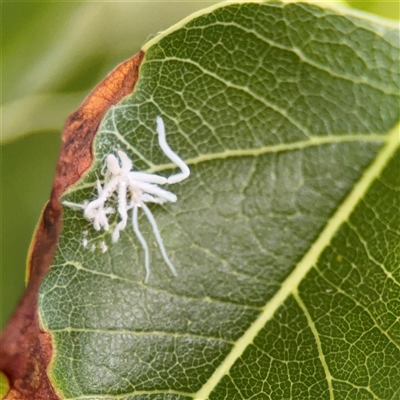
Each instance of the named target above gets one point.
<point>133,189</point>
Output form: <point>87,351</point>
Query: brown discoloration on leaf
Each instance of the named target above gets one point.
<point>76,154</point>
<point>26,350</point>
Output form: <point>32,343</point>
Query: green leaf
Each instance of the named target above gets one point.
<point>285,236</point>
<point>3,385</point>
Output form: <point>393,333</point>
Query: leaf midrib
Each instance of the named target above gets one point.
<point>307,262</point>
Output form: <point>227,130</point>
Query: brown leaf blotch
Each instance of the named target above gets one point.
<point>25,350</point>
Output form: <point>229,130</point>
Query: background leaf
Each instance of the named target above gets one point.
<point>71,47</point>
<point>286,256</point>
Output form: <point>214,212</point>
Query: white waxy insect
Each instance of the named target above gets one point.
<point>133,189</point>
<point>103,247</point>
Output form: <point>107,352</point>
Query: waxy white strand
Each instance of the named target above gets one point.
<point>133,189</point>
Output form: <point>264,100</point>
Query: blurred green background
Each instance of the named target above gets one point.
<point>53,54</point>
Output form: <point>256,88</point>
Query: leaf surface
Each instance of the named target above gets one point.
<point>285,236</point>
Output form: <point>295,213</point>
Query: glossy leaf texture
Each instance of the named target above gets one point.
<point>285,237</point>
